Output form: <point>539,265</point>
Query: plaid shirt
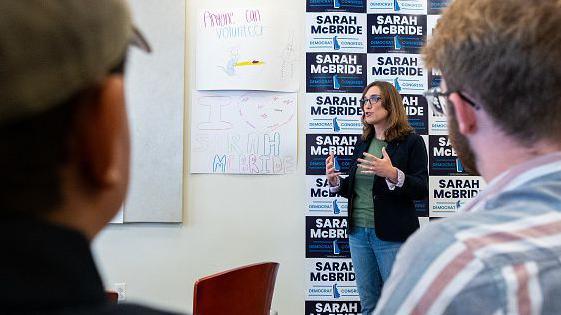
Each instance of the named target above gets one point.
<point>502,255</point>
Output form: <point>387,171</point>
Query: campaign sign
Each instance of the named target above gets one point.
<point>326,237</point>
<point>334,291</point>
<point>438,121</point>
<point>417,112</point>
<point>333,113</point>
<point>335,72</point>
<point>442,157</point>
<point>406,72</point>
<point>396,33</point>
<point>333,307</point>
<point>332,279</point>
<point>436,6</point>
<point>322,202</point>
<point>358,6</point>
<point>344,32</point>
<point>397,6</point>
<point>450,193</point>
<point>319,146</point>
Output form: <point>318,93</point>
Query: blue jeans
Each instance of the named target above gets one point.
<point>372,262</point>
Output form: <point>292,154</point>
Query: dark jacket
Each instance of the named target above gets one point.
<point>395,218</point>
<point>47,269</point>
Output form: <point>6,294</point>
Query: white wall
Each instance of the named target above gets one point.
<point>228,220</point>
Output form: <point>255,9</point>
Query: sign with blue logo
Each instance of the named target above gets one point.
<point>334,291</point>
<point>326,237</point>
<point>319,146</point>
<point>438,121</point>
<point>335,72</point>
<point>397,6</point>
<point>334,113</point>
<point>322,202</point>
<point>406,72</point>
<point>344,32</point>
<point>449,193</point>
<point>349,44</point>
<point>358,6</point>
<point>442,158</point>
<point>436,6</point>
<point>333,307</point>
<point>417,112</point>
<point>396,33</point>
<point>330,279</point>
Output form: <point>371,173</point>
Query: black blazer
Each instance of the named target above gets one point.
<point>395,218</point>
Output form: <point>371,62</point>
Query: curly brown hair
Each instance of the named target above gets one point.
<point>507,55</point>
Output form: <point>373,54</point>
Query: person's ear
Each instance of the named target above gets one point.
<point>102,128</point>
<point>465,114</point>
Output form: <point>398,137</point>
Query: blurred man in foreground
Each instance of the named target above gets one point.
<point>64,150</point>
<point>501,69</point>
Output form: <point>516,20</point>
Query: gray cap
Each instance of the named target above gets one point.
<point>52,49</point>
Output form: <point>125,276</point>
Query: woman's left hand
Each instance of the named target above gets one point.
<point>382,167</point>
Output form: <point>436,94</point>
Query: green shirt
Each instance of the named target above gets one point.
<point>363,205</point>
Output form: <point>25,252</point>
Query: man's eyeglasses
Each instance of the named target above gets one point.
<point>438,99</point>
<point>373,99</point>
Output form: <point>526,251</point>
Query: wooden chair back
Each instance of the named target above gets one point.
<point>246,290</point>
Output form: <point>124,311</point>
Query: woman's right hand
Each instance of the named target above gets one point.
<point>332,176</point>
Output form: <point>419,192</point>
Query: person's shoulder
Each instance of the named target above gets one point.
<point>465,252</point>
<point>419,261</point>
<point>413,137</point>
<point>470,232</point>
<point>429,241</point>
<point>361,140</point>
<point>541,195</point>
<point>439,238</point>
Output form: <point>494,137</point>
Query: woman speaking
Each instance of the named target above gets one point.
<point>388,172</point>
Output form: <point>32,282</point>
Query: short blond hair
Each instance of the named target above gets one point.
<point>507,54</point>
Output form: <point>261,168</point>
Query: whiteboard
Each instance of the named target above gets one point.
<point>155,99</point>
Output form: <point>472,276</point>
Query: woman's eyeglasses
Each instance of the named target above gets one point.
<point>373,99</point>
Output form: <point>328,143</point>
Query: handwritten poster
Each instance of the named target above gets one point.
<point>243,132</point>
<point>246,49</point>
